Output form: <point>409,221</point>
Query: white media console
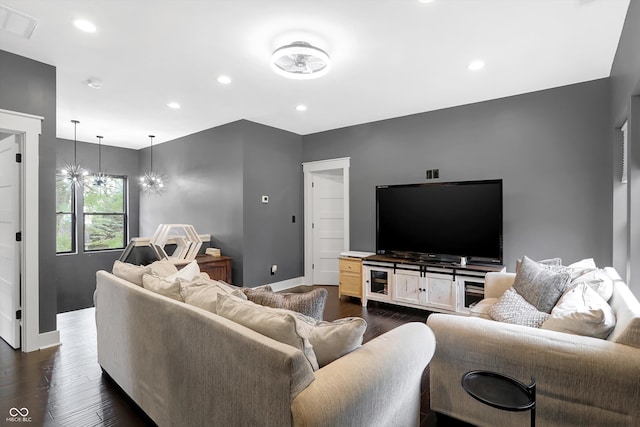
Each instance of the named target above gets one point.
<point>424,285</point>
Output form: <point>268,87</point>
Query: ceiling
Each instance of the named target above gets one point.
<point>390,58</point>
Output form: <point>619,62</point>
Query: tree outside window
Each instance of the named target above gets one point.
<point>65,216</point>
<point>105,222</point>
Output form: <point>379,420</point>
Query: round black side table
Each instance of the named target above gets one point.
<point>501,391</point>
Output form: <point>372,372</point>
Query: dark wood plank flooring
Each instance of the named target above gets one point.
<point>64,385</point>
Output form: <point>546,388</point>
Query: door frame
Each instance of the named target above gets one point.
<point>28,128</point>
<point>309,169</point>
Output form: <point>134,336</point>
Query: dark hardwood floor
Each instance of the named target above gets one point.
<point>64,385</point>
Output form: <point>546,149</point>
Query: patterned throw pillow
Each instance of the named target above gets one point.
<point>308,303</point>
<point>513,308</point>
<point>540,286</point>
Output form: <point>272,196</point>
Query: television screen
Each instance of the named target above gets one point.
<point>452,219</point>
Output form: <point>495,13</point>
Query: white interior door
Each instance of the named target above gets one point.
<point>9,248</point>
<point>328,225</point>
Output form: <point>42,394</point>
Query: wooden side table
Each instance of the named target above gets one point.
<point>501,391</point>
<point>350,277</point>
<point>217,267</point>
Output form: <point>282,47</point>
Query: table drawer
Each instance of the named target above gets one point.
<point>350,265</point>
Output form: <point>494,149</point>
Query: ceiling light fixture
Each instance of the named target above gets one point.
<point>224,80</point>
<point>94,83</point>
<point>100,179</point>
<point>84,25</point>
<point>152,182</point>
<point>476,65</point>
<point>301,61</point>
<point>174,105</point>
<point>301,107</point>
<point>74,172</point>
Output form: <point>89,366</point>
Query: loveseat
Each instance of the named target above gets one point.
<point>183,365</point>
<point>581,381</point>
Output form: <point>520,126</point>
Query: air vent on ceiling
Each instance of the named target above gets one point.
<point>18,23</point>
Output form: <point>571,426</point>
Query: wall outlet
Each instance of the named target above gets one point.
<point>429,174</point>
<point>274,269</point>
<point>265,199</point>
<point>436,173</point>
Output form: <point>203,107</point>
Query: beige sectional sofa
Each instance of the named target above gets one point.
<point>581,381</point>
<point>185,366</point>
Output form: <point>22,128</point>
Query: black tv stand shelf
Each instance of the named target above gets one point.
<point>425,284</point>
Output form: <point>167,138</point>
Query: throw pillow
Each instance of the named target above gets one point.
<point>130,272</point>
<point>189,272</point>
<point>280,325</point>
<point>540,286</point>
<point>550,263</point>
<point>204,293</point>
<point>163,268</point>
<point>581,267</point>
<point>332,340</point>
<point>581,311</point>
<point>599,281</point>
<point>308,303</point>
<point>511,307</point>
<point>162,286</point>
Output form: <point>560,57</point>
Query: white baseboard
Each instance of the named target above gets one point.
<point>49,339</point>
<point>286,284</point>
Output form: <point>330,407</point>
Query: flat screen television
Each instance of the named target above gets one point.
<point>441,221</point>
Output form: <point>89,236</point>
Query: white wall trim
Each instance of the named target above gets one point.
<point>49,339</point>
<point>309,168</point>
<point>287,284</point>
<point>29,128</point>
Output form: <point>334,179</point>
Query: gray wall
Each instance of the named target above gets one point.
<point>75,274</point>
<point>29,87</point>
<point>215,180</point>
<point>549,147</point>
<point>272,167</point>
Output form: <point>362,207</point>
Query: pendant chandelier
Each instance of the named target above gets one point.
<point>100,178</point>
<point>75,172</point>
<point>152,182</point>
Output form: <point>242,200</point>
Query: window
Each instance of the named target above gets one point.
<point>105,217</point>
<point>65,216</point>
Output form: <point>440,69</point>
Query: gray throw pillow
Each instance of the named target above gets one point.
<point>308,303</point>
<point>540,286</point>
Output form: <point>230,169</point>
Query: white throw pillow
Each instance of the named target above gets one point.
<point>163,268</point>
<point>204,293</point>
<point>130,272</point>
<point>599,281</point>
<point>162,286</point>
<point>278,324</point>
<point>581,311</point>
<point>332,340</point>
<point>189,272</point>
<point>581,267</point>
<point>511,307</point>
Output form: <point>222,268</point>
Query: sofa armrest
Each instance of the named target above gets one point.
<point>496,283</point>
<point>377,384</point>
<point>580,380</point>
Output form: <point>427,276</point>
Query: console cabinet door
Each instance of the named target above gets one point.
<point>407,287</point>
<point>441,291</point>
<point>377,283</point>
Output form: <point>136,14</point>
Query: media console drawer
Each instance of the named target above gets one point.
<point>350,277</point>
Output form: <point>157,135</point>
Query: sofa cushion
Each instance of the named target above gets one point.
<point>163,268</point>
<point>308,303</point>
<point>627,309</point>
<point>540,286</point>
<point>280,325</point>
<point>189,272</point>
<point>204,293</point>
<point>511,307</point>
<point>332,340</point>
<point>162,286</point>
<point>582,311</point>
<point>130,272</point>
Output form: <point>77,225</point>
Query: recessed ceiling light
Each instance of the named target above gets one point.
<point>173,105</point>
<point>85,26</point>
<point>301,107</point>
<point>224,80</point>
<point>425,1</point>
<point>476,65</point>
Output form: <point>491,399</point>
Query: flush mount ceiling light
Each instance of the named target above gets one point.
<point>94,83</point>
<point>301,61</point>
<point>84,25</point>
<point>476,65</point>
<point>224,80</point>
